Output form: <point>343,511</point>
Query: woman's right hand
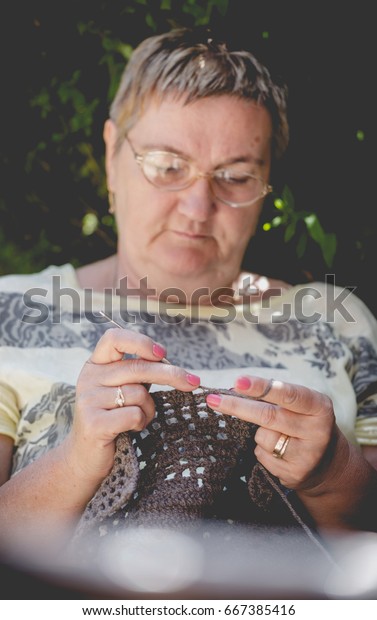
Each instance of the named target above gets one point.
<point>89,448</point>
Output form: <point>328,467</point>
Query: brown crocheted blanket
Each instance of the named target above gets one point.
<point>191,463</point>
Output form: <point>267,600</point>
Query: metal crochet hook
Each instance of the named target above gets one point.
<point>163,360</point>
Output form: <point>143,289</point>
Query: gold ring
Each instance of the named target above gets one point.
<point>266,390</point>
<point>281,446</point>
<point>119,399</point>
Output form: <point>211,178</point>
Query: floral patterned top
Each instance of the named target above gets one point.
<point>317,335</point>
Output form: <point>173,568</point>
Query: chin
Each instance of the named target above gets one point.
<point>186,262</point>
<point>192,270</point>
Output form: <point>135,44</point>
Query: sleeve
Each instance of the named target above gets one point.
<point>364,381</point>
<point>355,326</point>
<point>360,335</point>
<point>9,412</point>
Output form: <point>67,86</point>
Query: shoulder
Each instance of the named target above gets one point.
<point>99,275</point>
<point>333,304</point>
<point>257,286</point>
<point>21,283</point>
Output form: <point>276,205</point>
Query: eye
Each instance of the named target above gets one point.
<point>165,163</point>
<point>165,169</point>
<point>233,176</point>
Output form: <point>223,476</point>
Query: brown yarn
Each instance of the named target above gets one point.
<point>183,467</point>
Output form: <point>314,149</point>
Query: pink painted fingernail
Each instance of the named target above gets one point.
<point>158,350</point>
<point>193,379</point>
<point>213,400</point>
<point>243,383</point>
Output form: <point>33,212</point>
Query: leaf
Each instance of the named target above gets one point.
<point>329,248</point>
<point>288,198</point>
<point>290,231</point>
<point>315,229</point>
<point>150,21</point>
<point>301,245</point>
<point>222,6</point>
<point>125,50</point>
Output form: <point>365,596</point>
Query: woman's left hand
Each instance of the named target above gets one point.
<point>296,427</point>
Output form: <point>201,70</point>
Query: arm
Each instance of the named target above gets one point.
<point>370,454</point>
<point>6,450</point>
<point>44,499</point>
<point>346,492</point>
<point>50,495</point>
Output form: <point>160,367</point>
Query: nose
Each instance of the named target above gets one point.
<point>197,201</point>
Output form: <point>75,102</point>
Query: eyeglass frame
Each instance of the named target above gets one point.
<point>139,158</point>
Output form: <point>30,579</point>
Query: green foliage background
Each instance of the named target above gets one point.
<point>61,66</point>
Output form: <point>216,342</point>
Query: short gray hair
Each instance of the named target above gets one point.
<point>180,64</point>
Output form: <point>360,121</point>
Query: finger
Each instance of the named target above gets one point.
<point>272,446</point>
<point>123,419</point>
<point>297,398</point>
<point>106,398</point>
<point>293,469</point>
<point>263,414</point>
<point>271,417</point>
<point>105,425</point>
<point>138,370</point>
<point>270,440</point>
<point>133,396</point>
<point>281,468</point>
<point>115,342</point>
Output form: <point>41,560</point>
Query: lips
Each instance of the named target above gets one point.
<point>190,235</point>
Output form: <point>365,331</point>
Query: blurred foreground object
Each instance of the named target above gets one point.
<point>213,562</point>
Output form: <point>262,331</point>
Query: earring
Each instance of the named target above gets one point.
<point>111,198</point>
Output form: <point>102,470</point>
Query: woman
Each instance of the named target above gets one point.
<point>193,135</point>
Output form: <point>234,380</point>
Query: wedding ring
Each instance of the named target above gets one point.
<point>281,446</point>
<point>266,390</point>
<point>120,400</point>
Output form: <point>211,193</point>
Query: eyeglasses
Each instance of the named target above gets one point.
<point>233,185</point>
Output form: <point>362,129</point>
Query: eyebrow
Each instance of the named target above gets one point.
<point>247,159</point>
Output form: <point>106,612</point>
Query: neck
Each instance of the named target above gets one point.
<point>107,274</point>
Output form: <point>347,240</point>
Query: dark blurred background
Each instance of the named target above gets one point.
<point>61,63</point>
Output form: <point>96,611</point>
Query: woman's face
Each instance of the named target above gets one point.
<point>186,239</point>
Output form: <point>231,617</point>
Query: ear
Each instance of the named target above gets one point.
<point>110,134</point>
